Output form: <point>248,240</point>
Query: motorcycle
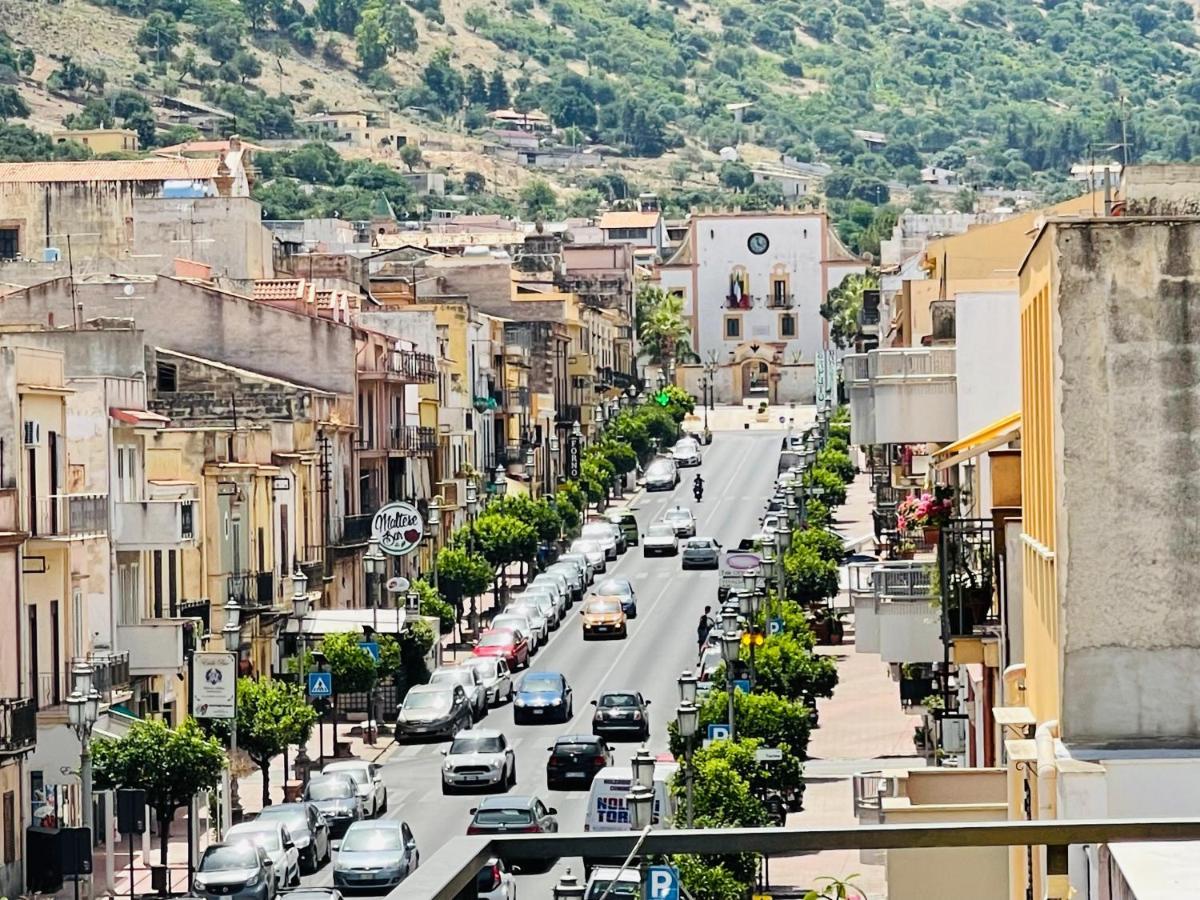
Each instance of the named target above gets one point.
<point>697,491</point>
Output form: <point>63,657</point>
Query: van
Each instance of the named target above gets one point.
<point>608,809</point>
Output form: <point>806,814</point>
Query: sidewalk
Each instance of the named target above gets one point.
<point>744,417</point>
<point>861,727</point>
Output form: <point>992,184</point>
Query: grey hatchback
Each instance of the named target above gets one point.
<point>240,871</point>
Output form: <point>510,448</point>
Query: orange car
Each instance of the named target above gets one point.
<point>603,614</point>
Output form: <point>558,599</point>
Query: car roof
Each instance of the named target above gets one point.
<point>577,738</point>
<point>507,801</point>
<point>427,689</point>
<point>616,579</point>
<point>543,673</point>
<point>376,825</point>
<point>620,691</point>
<point>337,775</point>
<point>480,733</point>
<point>253,825</point>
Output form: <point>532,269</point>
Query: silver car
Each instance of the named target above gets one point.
<point>367,781</point>
<point>518,621</point>
<point>274,838</point>
<point>662,475</point>
<point>375,855</point>
<point>660,540</point>
<point>479,758</point>
<point>309,830</point>
<point>552,591</point>
<point>686,453</point>
<point>239,871</point>
<point>580,561</point>
<point>594,552</point>
<point>602,534</point>
<point>560,583</point>
<point>494,675</point>
<point>576,580</point>
<point>682,520</point>
<point>433,711</point>
<point>470,681</point>
<point>700,553</point>
<point>538,608</point>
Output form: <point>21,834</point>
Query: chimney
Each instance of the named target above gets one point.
<point>235,143</point>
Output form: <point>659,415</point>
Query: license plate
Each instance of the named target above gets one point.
<point>472,778</point>
<point>538,712</point>
<point>576,774</point>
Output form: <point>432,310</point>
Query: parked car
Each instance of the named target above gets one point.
<point>235,871</point>
<point>542,696</point>
<point>594,552</point>
<point>621,713</point>
<point>479,758</point>
<point>367,779</point>
<point>375,855</point>
<point>686,453</point>
<point>309,830</point>
<point>660,540</point>
<point>273,837</point>
<point>574,576</point>
<point>433,711</point>
<point>495,881</point>
<point>471,683</point>
<point>556,594</point>
<point>314,893</point>
<point>579,559</point>
<point>602,533</point>
<point>700,553</point>
<point>575,759</point>
<point>681,519</point>
<point>556,581</point>
<point>508,644</point>
<point>519,622</point>
<point>539,619</point>
<point>336,798</point>
<point>515,815</point>
<point>494,675</point>
<point>603,615</point>
<point>613,881</point>
<point>620,586</point>
<point>662,475</point>
<point>710,660</point>
<point>627,522</point>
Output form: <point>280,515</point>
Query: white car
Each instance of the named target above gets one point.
<point>660,540</point>
<point>574,575</point>
<point>594,552</point>
<point>681,519</point>
<point>276,841</point>
<point>602,534</point>
<point>495,677</point>
<point>579,560</point>
<point>496,881</point>
<point>539,616</point>
<point>554,593</point>
<point>610,881</point>
<point>710,661</point>
<point>367,780</point>
<point>470,681</point>
<point>556,580</point>
<point>519,621</point>
<point>479,758</point>
<point>686,453</point>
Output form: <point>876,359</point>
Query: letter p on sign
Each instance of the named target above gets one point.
<point>662,883</point>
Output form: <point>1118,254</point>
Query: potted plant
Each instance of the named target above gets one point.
<point>904,550</point>
<point>926,513</point>
<point>969,587</point>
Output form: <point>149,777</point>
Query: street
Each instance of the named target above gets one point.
<point>739,469</point>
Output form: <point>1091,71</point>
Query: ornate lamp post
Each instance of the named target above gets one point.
<point>300,606</point>
<point>731,645</point>
<point>232,632</point>
<point>687,720</point>
<point>374,566</point>
<point>500,484</point>
<point>434,525</point>
<point>83,709</point>
<point>568,888</point>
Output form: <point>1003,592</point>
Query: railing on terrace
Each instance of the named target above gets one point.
<point>251,588</point>
<point>856,368</point>
<point>566,413</point>
<point>972,582</point>
<point>903,581</point>
<point>70,515</point>
<point>417,367</point>
<point>926,362</point>
<point>197,608</point>
<point>18,725</point>
<point>412,439</point>
<point>356,529</point>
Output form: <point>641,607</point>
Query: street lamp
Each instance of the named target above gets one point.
<point>568,888</point>
<point>687,720</point>
<point>232,632</point>
<point>768,549</point>
<point>554,443</point>
<point>501,483</point>
<point>374,565</point>
<point>301,603</point>
<point>643,769</point>
<point>576,431</point>
<point>434,526</point>
<point>83,709</point>
<point>641,808</point>
<point>731,645</point>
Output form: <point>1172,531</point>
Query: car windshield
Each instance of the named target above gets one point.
<point>615,586</point>
<point>233,856</point>
<point>661,531</point>
<point>330,789</point>
<point>267,838</point>
<point>293,817</point>
<point>528,609</point>
<point>503,817</point>
<point>541,683</point>
<point>365,840</point>
<point>660,467</point>
<point>495,639</point>
<point>462,677</point>
<point>601,887</point>
<point>600,530</point>
<point>476,745</point>
<point>603,605</point>
<point>427,700</point>
<point>699,543</point>
<point>619,700</point>
<point>484,668</point>
<point>677,514</point>
<point>586,547</point>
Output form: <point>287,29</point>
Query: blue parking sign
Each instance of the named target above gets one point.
<point>662,883</point>
<point>718,732</point>
<point>775,626</point>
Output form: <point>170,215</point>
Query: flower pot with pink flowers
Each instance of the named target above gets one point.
<point>926,513</point>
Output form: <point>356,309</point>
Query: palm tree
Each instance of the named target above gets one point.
<point>662,332</point>
<point>843,303</point>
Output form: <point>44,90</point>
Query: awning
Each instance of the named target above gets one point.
<point>139,418</point>
<point>320,622</point>
<point>1000,432</point>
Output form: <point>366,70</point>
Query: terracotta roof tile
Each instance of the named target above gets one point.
<point>279,289</point>
<point>154,169</point>
<point>629,220</point>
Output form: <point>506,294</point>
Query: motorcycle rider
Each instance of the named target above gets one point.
<point>698,487</point>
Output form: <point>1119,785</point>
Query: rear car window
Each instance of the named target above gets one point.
<point>503,817</point>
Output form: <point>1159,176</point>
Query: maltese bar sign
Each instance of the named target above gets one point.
<point>399,528</point>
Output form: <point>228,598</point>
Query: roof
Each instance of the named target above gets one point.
<point>279,289</point>
<point>138,417</point>
<point>153,169</point>
<point>203,147</point>
<point>534,115</point>
<point>998,433</point>
<point>629,219</point>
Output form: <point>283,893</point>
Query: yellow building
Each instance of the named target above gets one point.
<point>100,140</point>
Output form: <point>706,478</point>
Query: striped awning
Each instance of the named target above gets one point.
<point>1000,432</point>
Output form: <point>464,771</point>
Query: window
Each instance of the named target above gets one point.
<point>787,325</point>
<point>733,328</point>
<point>166,377</point>
<point>9,815</point>
<point>10,243</point>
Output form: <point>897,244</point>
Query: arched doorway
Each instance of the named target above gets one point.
<point>757,383</point>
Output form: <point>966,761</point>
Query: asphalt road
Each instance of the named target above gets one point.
<point>739,469</point>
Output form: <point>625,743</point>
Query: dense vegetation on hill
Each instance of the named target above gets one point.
<point>1008,93</point>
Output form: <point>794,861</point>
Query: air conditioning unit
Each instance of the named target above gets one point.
<point>31,433</point>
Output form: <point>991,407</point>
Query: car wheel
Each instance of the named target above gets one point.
<point>296,876</point>
<point>512,776</point>
<point>383,806</point>
<point>446,789</point>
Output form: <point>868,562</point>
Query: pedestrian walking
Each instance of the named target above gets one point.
<point>702,630</point>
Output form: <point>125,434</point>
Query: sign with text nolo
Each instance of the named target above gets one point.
<point>214,685</point>
<point>399,528</point>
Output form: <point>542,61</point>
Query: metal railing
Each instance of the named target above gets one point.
<point>566,413</point>
<point>516,399</point>
<point>18,725</point>
<point>456,864</point>
<point>781,301</point>
<point>251,588</point>
<point>197,609</point>
<point>416,367</point>
<point>925,362</point>
<point>412,439</point>
<point>903,581</point>
<point>70,515</point>
<point>355,530</point>
<point>971,580</point>
<point>110,669</point>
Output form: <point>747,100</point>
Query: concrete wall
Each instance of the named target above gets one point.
<point>193,319</point>
<point>1126,406</point>
<point>223,232</point>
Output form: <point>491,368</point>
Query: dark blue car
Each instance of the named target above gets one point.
<point>623,588</point>
<point>543,696</point>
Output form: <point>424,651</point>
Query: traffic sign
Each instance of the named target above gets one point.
<point>397,585</point>
<point>320,684</point>
<point>662,883</point>
<point>775,626</point>
<point>768,754</point>
<point>742,684</point>
<point>372,648</point>
<point>718,732</point>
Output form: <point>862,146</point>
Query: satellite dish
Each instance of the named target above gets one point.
<point>127,290</point>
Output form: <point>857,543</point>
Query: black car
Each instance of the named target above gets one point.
<point>621,714</point>
<point>335,797</point>
<point>574,761</point>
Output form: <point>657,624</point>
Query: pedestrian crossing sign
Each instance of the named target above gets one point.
<point>320,684</point>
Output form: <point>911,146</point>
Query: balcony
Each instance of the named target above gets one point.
<point>972,589</point>
<point>516,400</point>
<point>18,725</point>
<point>251,589</point>
<point>412,440</point>
<point>414,367</point>
<point>110,670</point>
<point>581,365</point>
<point>568,413</point>
<point>356,530</point>
<point>781,301</point>
<point>154,524</point>
<point>868,314</point>
<point>895,616</point>
<point>200,608</point>
<point>905,396</point>
<point>155,646</point>
<point>70,516</point>
<point>857,374</point>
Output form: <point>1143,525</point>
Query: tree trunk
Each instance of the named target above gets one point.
<point>265,767</point>
<point>165,817</point>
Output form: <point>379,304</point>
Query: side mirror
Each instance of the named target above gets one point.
<point>289,844</point>
<point>645,703</point>
<point>473,810</point>
<point>444,751</point>
<point>411,845</point>
<point>594,703</point>
<point>552,811</point>
<point>269,862</point>
<point>516,870</point>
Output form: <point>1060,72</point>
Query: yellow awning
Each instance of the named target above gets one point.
<point>1002,431</point>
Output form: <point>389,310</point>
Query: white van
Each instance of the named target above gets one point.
<point>608,807</point>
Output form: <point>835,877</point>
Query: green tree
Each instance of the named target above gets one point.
<point>809,578</point>
<point>661,329</point>
<point>399,27</point>
<point>432,603</point>
<point>246,65</point>
<point>538,199</point>
<point>834,489</point>
<point>474,182</point>
<point>12,104</point>
<point>828,545</point>
<point>843,304</point>
<point>271,715</point>
<point>410,155</point>
<point>736,176</point>
<point>538,512</point>
<point>498,96</point>
<point>444,82</point>
<point>256,12</point>
<point>370,41</point>
<point>353,668</point>
<point>475,18</point>
<point>462,574</point>
<point>837,462</point>
<point>159,33</point>
<point>171,765</point>
<point>500,539</point>
<point>477,90</point>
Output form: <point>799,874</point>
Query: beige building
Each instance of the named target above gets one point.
<point>100,140</point>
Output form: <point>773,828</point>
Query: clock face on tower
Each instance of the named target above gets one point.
<point>758,243</point>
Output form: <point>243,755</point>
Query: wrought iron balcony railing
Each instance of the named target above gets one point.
<point>18,725</point>
<point>972,582</point>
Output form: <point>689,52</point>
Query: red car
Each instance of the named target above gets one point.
<point>509,645</point>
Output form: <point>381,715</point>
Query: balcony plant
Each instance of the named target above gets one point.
<point>926,512</point>
<point>967,583</point>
